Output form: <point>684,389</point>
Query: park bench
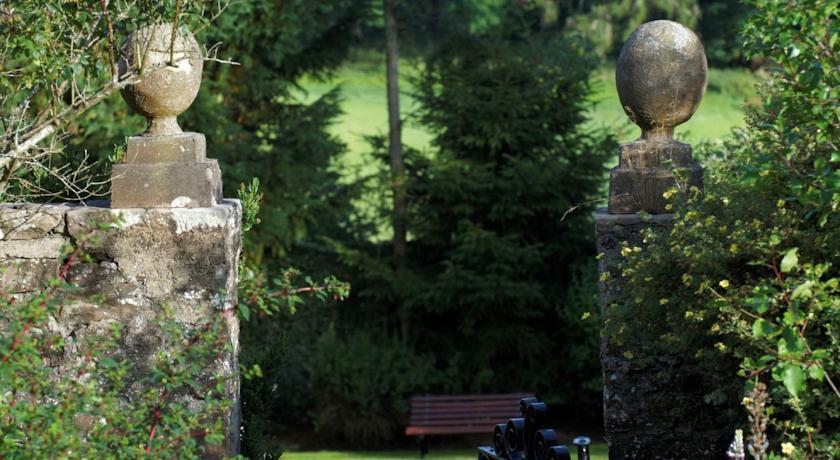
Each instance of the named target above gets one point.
<point>460,414</point>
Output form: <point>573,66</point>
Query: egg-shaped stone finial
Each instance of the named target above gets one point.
<point>661,77</point>
<point>170,64</point>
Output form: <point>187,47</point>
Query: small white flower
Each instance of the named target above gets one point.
<point>788,448</point>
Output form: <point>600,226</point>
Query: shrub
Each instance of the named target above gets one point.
<point>364,383</point>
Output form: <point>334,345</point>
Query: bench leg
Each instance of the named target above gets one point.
<point>424,445</point>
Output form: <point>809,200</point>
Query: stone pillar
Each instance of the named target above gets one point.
<point>651,405</point>
<point>178,242</point>
<point>186,258</point>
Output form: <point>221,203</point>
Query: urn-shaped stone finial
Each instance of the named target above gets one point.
<point>661,77</point>
<point>170,63</point>
<point>164,167</point>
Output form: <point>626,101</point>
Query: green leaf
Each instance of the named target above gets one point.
<point>794,379</point>
<point>803,291</point>
<point>816,373</point>
<point>759,303</point>
<point>790,260</point>
<point>790,343</point>
<point>766,359</point>
<point>762,328</point>
<point>244,311</point>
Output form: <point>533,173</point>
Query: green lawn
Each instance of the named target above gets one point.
<point>599,452</point>
<point>362,82</point>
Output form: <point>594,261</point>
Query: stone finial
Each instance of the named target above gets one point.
<point>661,77</point>
<point>164,167</point>
<point>171,64</point>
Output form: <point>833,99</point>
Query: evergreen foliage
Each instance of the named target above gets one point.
<point>499,230</point>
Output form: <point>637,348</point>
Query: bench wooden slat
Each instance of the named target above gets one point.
<point>499,417</point>
<point>505,411</point>
<point>462,422</point>
<point>441,430</point>
<point>505,397</point>
<point>461,414</point>
<point>466,407</point>
<point>455,415</point>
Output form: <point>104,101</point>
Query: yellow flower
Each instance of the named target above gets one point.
<point>788,448</point>
<point>746,401</point>
<point>724,283</point>
<point>625,251</point>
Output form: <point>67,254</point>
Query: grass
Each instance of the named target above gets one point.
<point>362,82</point>
<point>598,452</point>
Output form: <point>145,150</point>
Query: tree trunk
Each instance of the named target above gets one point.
<point>395,150</point>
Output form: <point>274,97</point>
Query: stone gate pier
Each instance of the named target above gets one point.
<point>653,408</point>
<point>176,243</point>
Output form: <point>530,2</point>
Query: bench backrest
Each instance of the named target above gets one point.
<point>460,414</point>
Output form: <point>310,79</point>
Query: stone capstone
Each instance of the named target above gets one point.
<point>166,172</point>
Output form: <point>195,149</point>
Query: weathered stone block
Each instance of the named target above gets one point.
<point>644,153</point>
<point>18,276</point>
<point>185,255</point>
<point>30,221</point>
<point>186,258</point>
<point>647,169</point>
<point>41,248</point>
<point>176,148</point>
<point>633,190</point>
<point>166,185</point>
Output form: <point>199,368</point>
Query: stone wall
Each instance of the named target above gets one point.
<point>184,257</point>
